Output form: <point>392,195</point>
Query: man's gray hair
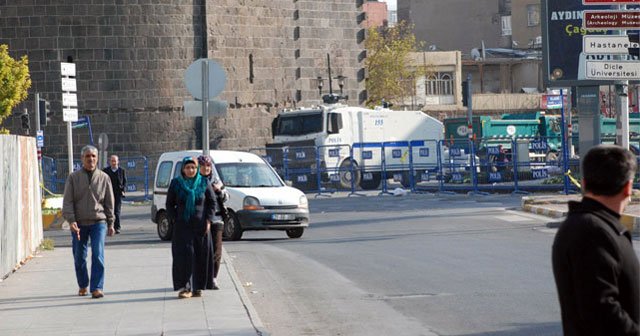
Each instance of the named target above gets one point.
<point>88,148</point>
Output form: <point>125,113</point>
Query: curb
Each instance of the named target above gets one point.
<point>530,204</point>
<point>251,311</point>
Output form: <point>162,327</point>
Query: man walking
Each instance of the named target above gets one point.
<point>594,264</point>
<point>88,208</point>
<point>118,178</point>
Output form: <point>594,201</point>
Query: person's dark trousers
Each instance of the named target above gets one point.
<point>189,251</point>
<point>116,212</point>
<point>217,247</point>
<point>97,233</point>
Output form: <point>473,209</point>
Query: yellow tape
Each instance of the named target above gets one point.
<point>48,191</point>
<point>573,179</point>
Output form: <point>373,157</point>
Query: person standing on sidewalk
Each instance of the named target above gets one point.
<point>207,170</point>
<point>594,263</point>
<point>88,208</point>
<point>118,178</point>
<point>190,205</point>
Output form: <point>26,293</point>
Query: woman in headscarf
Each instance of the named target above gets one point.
<point>190,204</point>
<point>207,170</point>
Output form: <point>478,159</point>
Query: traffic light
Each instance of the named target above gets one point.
<point>465,93</point>
<point>45,112</point>
<point>25,121</point>
<point>633,38</point>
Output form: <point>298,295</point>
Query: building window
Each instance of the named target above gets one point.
<point>506,25</point>
<point>533,15</point>
<point>439,84</point>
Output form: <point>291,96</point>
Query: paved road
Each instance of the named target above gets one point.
<point>415,265</point>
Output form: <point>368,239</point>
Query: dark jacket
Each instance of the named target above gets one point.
<point>118,180</point>
<point>596,272</point>
<point>205,209</point>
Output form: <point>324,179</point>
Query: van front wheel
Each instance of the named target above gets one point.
<point>165,226</point>
<point>295,233</point>
<point>232,228</point>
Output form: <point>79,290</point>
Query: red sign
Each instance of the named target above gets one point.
<point>610,2</point>
<point>611,19</point>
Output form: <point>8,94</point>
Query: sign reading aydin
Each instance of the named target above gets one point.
<point>563,31</point>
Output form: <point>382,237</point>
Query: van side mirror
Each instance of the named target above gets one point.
<point>334,124</point>
<point>274,126</point>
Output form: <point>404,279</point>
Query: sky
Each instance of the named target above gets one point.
<point>391,4</point>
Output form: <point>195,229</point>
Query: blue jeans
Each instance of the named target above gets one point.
<point>97,232</point>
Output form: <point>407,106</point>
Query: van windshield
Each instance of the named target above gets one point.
<point>248,175</point>
<point>299,124</point>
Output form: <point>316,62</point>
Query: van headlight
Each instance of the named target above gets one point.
<point>304,203</point>
<point>251,203</point>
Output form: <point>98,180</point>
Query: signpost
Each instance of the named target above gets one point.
<point>205,79</point>
<point>614,68</point>
<point>69,104</point>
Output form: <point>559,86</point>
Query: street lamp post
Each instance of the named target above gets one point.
<point>320,85</point>
<point>341,80</point>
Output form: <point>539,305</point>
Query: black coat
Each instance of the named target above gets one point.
<point>118,180</point>
<point>596,272</point>
<point>189,242</point>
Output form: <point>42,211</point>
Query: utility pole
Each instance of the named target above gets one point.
<point>622,102</point>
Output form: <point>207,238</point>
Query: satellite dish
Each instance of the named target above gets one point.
<point>433,47</point>
<point>475,54</point>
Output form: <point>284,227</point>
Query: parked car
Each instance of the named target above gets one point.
<point>259,199</point>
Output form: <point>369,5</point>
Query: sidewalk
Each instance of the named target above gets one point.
<point>41,298</point>
<point>556,206</point>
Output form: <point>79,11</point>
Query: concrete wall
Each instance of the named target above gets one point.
<point>131,56</point>
<point>523,34</point>
<point>20,202</point>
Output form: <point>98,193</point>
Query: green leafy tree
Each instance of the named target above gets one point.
<point>390,76</point>
<point>14,83</point>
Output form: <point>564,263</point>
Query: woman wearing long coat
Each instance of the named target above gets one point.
<point>191,205</point>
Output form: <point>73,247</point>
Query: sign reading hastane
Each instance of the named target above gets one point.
<point>613,70</point>
<point>607,44</point>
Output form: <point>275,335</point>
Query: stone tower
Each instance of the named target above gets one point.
<point>130,58</point>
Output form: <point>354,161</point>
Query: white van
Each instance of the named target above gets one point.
<point>258,198</point>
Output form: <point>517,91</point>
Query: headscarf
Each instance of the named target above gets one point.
<point>190,189</point>
<point>206,160</point>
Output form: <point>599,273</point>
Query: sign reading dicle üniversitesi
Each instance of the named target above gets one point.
<point>625,70</point>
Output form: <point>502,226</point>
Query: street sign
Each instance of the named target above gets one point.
<point>69,84</point>
<point>551,102</point>
<point>611,19</point>
<point>607,44</point>
<point>69,100</point>
<point>613,70</point>
<point>69,114</point>
<point>40,138</point>
<point>67,69</point>
<point>81,122</point>
<point>193,78</point>
<point>610,2</point>
<point>193,108</point>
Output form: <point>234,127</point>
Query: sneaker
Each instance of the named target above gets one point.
<point>83,292</point>
<point>197,293</point>
<point>184,294</point>
<point>117,231</point>
<point>215,284</point>
<point>96,294</point>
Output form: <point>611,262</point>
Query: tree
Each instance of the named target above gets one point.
<point>14,83</point>
<point>390,75</point>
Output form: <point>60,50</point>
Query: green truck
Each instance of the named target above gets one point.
<point>488,132</point>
